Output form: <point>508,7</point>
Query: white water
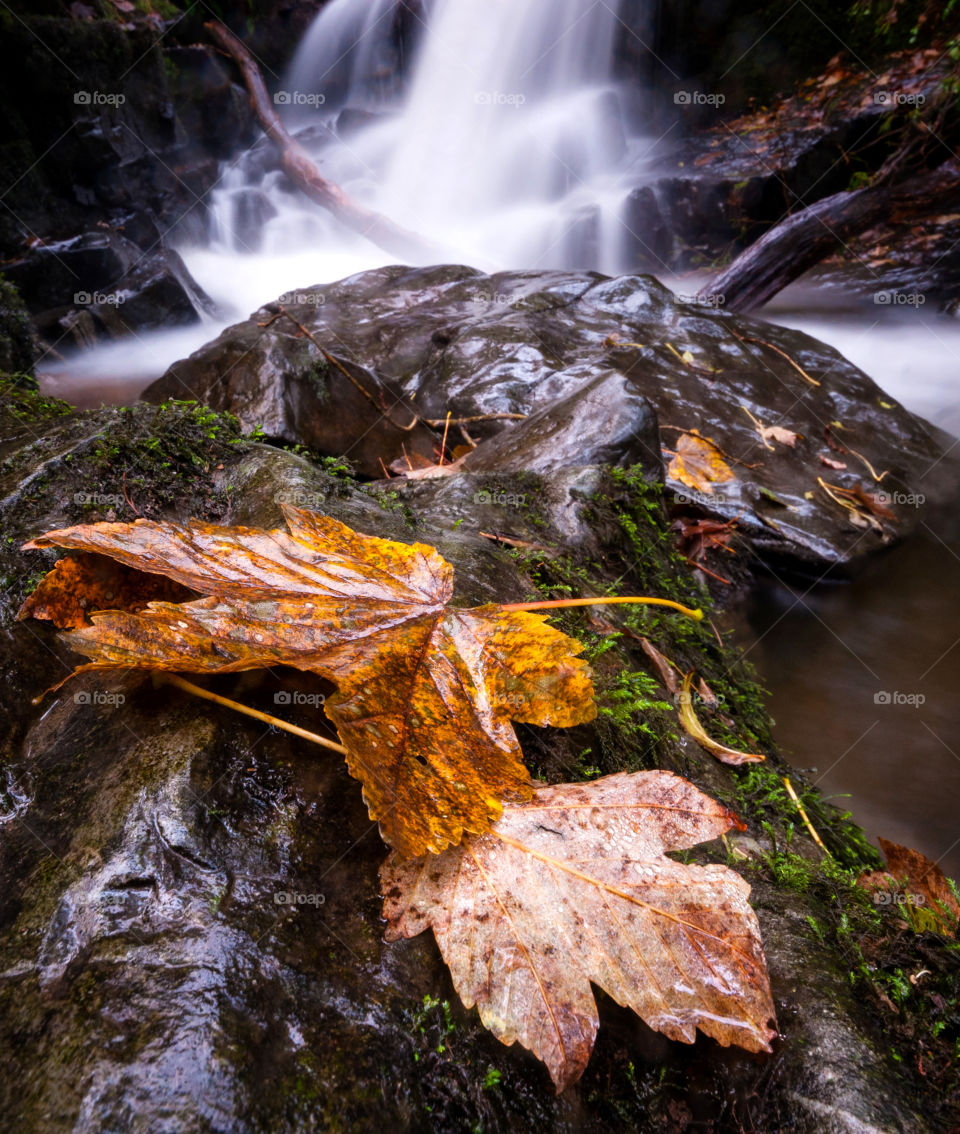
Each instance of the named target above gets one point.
<point>506,149</point>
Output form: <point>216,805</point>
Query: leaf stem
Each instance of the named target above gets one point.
<point>804,816</point>
<point>197,691</point>
<point>556,604</point>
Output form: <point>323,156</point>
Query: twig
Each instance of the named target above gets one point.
<point>777,350</point>
<point>872,470</point>
<point>346,373</point>
<point>443,443</point>
<point>759,428</point>
<point>515,542</point>
<point>436,422</point>
<point>706,570</point>
<point>804,816</point>
<point>162,678</point>
<point>123,486</point>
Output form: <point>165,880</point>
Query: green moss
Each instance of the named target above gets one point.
<point>102,464</point>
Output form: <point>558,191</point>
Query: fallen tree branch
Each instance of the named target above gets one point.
<point>300,168</point>
<point>801,241</point>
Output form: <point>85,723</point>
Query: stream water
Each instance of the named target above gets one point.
<point>511,145</point>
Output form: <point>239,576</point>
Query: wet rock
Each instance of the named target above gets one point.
<point>251,209</point>
<point>274,378</point>
<point>725,184</point>
<point>606,421</point>
<point>649,236</point>
<point>16,339</point>
<point>450,339</point>
<point>153,973</point>
<point>106,276</point>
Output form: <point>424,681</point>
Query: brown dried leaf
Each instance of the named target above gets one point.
<point>425,692</point>
<point>664,670</point>
<point>924,880</point>
<point>778,433</point>
<point>574,887</point>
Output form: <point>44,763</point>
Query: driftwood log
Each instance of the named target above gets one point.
<point>300,168</point>
<point>804,239</point>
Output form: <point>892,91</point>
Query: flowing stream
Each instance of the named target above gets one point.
<point>509,144</point>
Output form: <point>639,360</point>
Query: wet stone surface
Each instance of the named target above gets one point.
<point>151,979</point>
<point>451,340</point>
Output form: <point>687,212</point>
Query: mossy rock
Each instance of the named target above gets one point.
<point>149,978</point>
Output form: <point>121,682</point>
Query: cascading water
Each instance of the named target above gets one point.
<point>493,128</point>
<point>506,148</point>
<point>496,130</point>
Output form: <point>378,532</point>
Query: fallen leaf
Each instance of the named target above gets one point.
<point>921,874</point>
<point>664,668</point>
<point>707,694</point>
<point>778,433</point>
<point>688,718</point>
<point>698,464</point>
<point>81,583</point>
<point>866,509</point>
<point>425,692</point>
<point>696,537</point>
<point>831,463</point>
<point>770,433</point>
<point>914,880</point>
<point>574,887</point>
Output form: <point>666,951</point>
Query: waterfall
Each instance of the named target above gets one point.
<point>491,127</point>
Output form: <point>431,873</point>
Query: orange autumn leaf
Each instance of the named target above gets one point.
<point>83,583</point>
<point>575,887</point>
<point>698,464</point>
<point>425,691</point>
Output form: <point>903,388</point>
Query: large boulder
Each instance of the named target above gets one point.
<point>452,340</point>
<point>150,979</point>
